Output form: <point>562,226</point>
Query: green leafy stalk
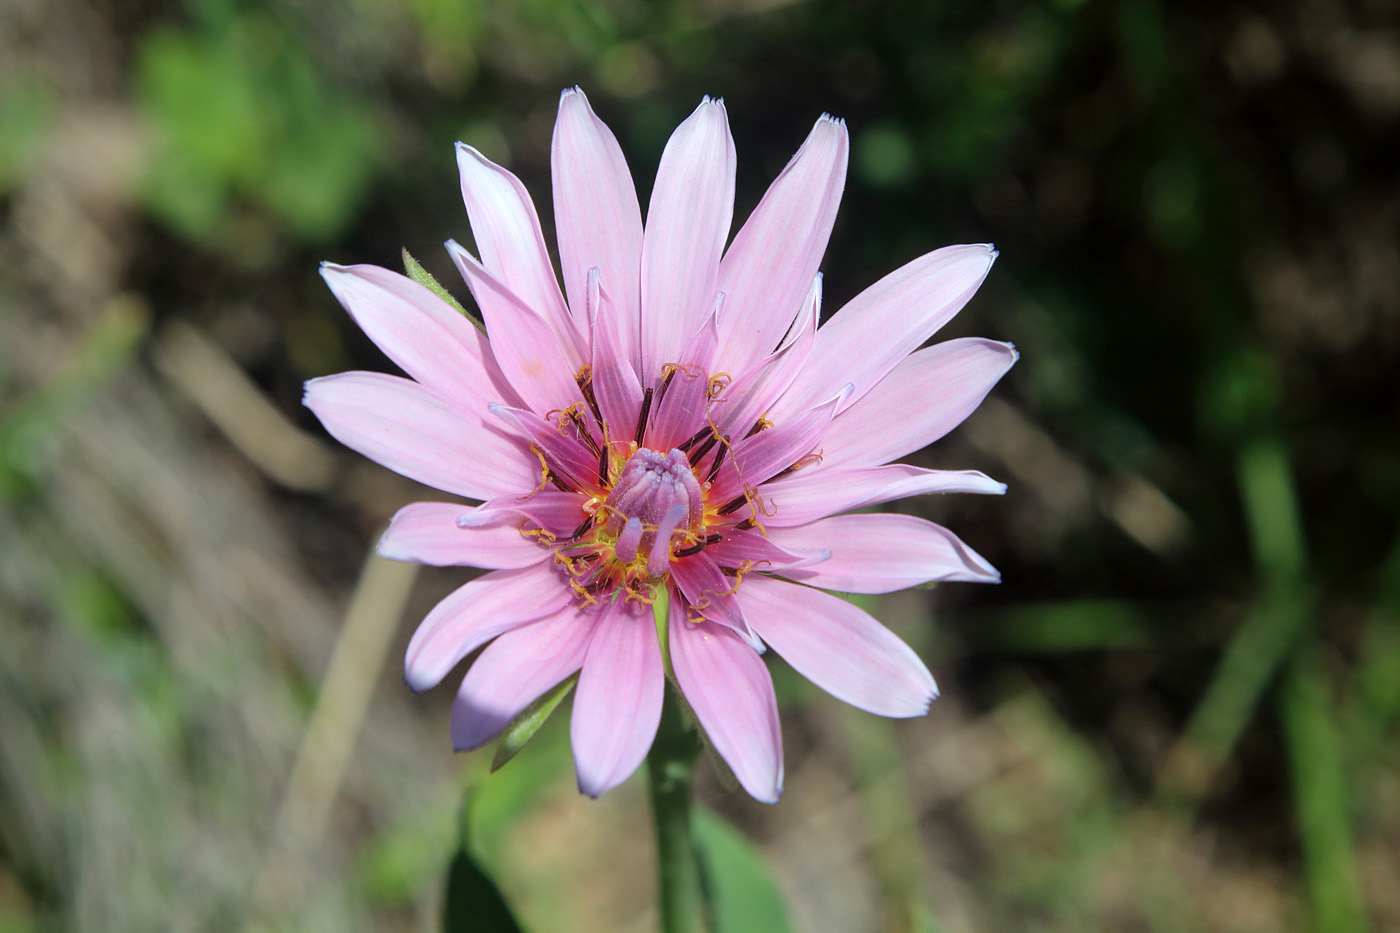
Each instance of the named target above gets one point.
<point>671,770</point>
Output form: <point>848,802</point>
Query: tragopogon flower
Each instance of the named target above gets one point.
<point>673,421</point>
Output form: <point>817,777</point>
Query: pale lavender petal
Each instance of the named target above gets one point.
<point>760,457</point>
<point>881,553</point>
<point>555,511</point>
<point>923,398</point>
<point>838,647</point>
<point>540,364</point>
<point>515,670</point>
<point>427,533</point>
<point>507,233</point>
<point>688,220</point>
<point>769,266</point>
<point>728,687</point>
<point>808,495</point>
<point>618,702</point>
<point>401,425</point>
<point>745,400</point>
<point>420,332</point>
<point>475,613</point>
<point>883,324</point>
<point>597,216</point>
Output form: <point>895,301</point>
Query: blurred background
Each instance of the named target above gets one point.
<point>1179,712</point>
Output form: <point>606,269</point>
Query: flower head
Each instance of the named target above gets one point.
<point>673,421</point>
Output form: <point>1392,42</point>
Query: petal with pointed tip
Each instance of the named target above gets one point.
<point>617,705</point>
<point>507,233</point>
<point>808,495</point>
<point>927,395</point>
<point>769,266</point>
<point>838,647</point>
<point>692,205</point>
<point>887,321</point>
<point>428,533</point>
<point>881,553</point>
<point>475,613</point>
<point>728,687</point>
<point>538,362</point>
<point>401,425</point>
<point>515,670</point>
<point>429,340</point>
<point>596,213</point>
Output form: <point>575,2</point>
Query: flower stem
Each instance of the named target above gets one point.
<point>670,767</point>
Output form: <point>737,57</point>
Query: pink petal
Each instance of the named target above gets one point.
<point>597,216</point>
<point>884,323</point>
<point>554,510</point>
<point>427,533</point>
<point>615,385</point>
<point>737,548</point>
<point>403,426</point>
<point>564,453</point>
<point>514,670</point>
<point>923,398</point>
<point>507,233</point>
<point>475,613</point>
<point>618,702</point>
<point>758,458</point>
<point>687,223</point>
<point>769,266</point>
<point>808,495</point>
<point>838,647</point>
<point>539,363</point>
<point>429,340</point>
<point>728,687</point>
<point>708,591</point>
<point>881,553</point>
<point>686,399</point>
<point>744,401</point>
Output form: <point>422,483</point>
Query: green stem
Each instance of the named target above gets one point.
<point>670,767</point>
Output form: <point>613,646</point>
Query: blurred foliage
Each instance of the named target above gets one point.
<point>1179,713</point>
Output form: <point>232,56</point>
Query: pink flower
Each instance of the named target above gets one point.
<point>674,418</point>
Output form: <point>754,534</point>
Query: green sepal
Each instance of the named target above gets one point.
<point>423,277</point>
<point>524,726</point>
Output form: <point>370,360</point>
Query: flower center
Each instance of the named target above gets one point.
<point>655,502</point>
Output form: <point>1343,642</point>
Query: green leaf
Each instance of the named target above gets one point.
<point>523,728</point>
<point>423,277</point>
<point>473,902</point>
<point>742,892</point>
